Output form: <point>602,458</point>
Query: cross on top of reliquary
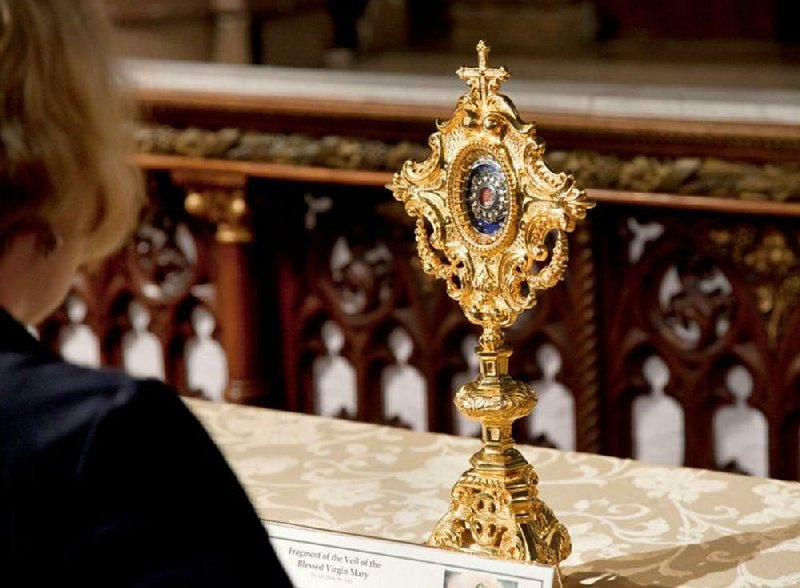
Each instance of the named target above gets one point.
<point>483,78</point>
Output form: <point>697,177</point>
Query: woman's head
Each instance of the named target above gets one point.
<point>69,190</point>
<point>65,157</point>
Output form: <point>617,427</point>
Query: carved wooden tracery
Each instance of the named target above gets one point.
<point>165,268</point>
<point>375,291</point>
<point>703,328</point>
<point>731,300</point>
<point>609,316</point>
<point>382,287</point>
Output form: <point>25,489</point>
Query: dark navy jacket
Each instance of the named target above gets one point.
<point>106,480</point>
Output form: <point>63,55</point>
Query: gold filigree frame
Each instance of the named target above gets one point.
<point>461,168</point>
<point>494,274</point>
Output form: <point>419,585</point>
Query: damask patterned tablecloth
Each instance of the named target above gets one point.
<point>632,524</point>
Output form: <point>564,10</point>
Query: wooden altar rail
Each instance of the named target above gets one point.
<point>607,305</point>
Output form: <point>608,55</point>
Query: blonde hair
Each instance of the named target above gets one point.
<point>65,137</point>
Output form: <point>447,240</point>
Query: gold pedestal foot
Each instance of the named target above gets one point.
<point>495,509</point>
<point>488,517</point>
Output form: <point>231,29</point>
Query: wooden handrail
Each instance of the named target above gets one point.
<point>427,113</point>
<point>756,125</point>
<point>378,179</point>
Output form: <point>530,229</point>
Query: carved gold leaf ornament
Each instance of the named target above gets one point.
<point>492,222</point>
<point>772,265</point>
<point>699,176</point>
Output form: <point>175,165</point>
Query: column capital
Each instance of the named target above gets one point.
<point>219,198</point>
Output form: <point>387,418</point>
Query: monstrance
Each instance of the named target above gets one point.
<point>492,222</point>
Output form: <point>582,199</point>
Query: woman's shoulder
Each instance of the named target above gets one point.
<point>35,381</point>
<point>45,399</point>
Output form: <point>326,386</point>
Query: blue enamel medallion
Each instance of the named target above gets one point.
<point>486,196</point>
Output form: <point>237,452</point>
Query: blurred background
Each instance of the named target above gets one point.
<point>718,42</point>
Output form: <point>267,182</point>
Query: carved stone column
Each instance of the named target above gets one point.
<point>232,42</point>
<point>220,198</point>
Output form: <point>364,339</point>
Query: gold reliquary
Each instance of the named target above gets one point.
<point>492,222</point>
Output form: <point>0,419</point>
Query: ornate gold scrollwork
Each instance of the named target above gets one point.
<point>492,222</point>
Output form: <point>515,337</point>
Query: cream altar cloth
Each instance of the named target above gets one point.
<point>632,524</point>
